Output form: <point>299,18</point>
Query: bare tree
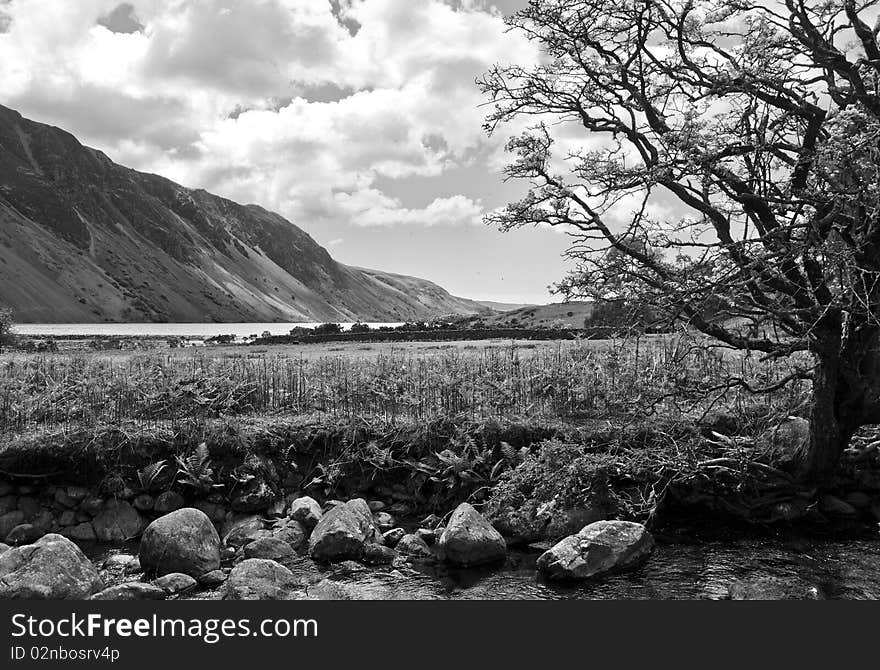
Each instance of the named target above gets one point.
<point>758,124</point>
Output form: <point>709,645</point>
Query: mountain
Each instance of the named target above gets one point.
<point>84,240</point>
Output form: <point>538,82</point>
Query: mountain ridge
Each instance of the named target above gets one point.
<point>83,239</point>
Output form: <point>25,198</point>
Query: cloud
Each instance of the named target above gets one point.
<point>302,106</point>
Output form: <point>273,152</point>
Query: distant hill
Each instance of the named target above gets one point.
<point>564,314</point>
<point>504,306</point>
<point>85,240</point>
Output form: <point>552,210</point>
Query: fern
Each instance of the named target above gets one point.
<point>195,470</point>
<point>148,475</point>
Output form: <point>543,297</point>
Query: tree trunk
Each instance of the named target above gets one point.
<point>846,396</point>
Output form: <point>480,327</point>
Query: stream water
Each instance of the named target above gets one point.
<point>847,569</point>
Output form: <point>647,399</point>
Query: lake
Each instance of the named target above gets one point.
<point>197,330</point>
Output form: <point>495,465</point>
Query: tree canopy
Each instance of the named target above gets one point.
<point>728,172</point>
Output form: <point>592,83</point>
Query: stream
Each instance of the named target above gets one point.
<point>704,569</point>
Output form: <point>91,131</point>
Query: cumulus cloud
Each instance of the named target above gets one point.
<point>298,105</point>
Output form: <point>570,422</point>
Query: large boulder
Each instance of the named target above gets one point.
<point>182,541</point>
<point>272,548</point>
<point>471,540</point>
<point>343,531</point>
<point>261,579</point>
<point>292,532</point>
<point>117,522</point>
<point>53,568</point>
<point>600,548</point>
<point>414,547</point>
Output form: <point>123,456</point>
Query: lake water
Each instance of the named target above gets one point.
<point>198,330</point>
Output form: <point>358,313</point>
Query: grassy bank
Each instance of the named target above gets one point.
<point>633,426</point>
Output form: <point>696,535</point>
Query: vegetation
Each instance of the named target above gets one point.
<point>7,337</point>
<point>759,121</point>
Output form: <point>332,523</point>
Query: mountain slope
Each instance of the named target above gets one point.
<point>83,239</point>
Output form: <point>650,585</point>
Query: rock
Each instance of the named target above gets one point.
<point>4,547</point>
<point>768,587</point>
<point>835,506</point>
<point>25,533</point>
<point>429,536</point>
<point>390,538</point>
<point>401,509</point>
<point>83,532</point>
<point>414,547</point>
<point>471,540</point>
<point>92,505</point>
<point>30,506</point>
<point>258,495</point>
<point>117,522</point>
<point>789,510</point>
<point>67,518</point>
<point>6,488</point>
<point>600,548</point>
<point>175,582</point>
<point>169,501</point>
<point>342,532</point>
<point>123,563</point>
<point>182,541</point>
<point>261,579</point>
<point>292,532</point>
<point>9,521</point>
<point>213,578</point>
<point>53,568</point>
<point>144,503</point>
<point>64,500</point>
<point>306,510</point>
<point>858,499</point>
<point>384,521</point>
<point>243,530</point>
<point>430,521</point>
<point>45,521</point>
<point>131,591</point>
<point>376,554</point>
<point>272,548</point>
<point>376,506</point>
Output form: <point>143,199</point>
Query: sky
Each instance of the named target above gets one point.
<point>358,120</point>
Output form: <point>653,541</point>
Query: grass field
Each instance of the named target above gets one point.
<point>564,381</point>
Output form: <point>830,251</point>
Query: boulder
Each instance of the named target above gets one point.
<point>261,579</point>
<point>92,505</point>
<point>342,532</point>
<point>213,578</point>
<point>471,540</point>
<point>428,535</point>
<point>414,547</point>
<point>306,510</point>
<point>144,503</point>
<point>390,538</point>
<point>25,533</point>
<point>245,529</point>
<point>292,532</point>
<point>768,587</point>
<point>83,532</point>
<point>117,522</point>
<point>67,518</point>
<point>182,541</point>
<point>53,568</point>
<point>272,548</point>
<point>376,554</point>
<point>169,501</point>
<point>131,591</point>
<point>600,548</point>
<point>385,521</point>
<point>175,582</point>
